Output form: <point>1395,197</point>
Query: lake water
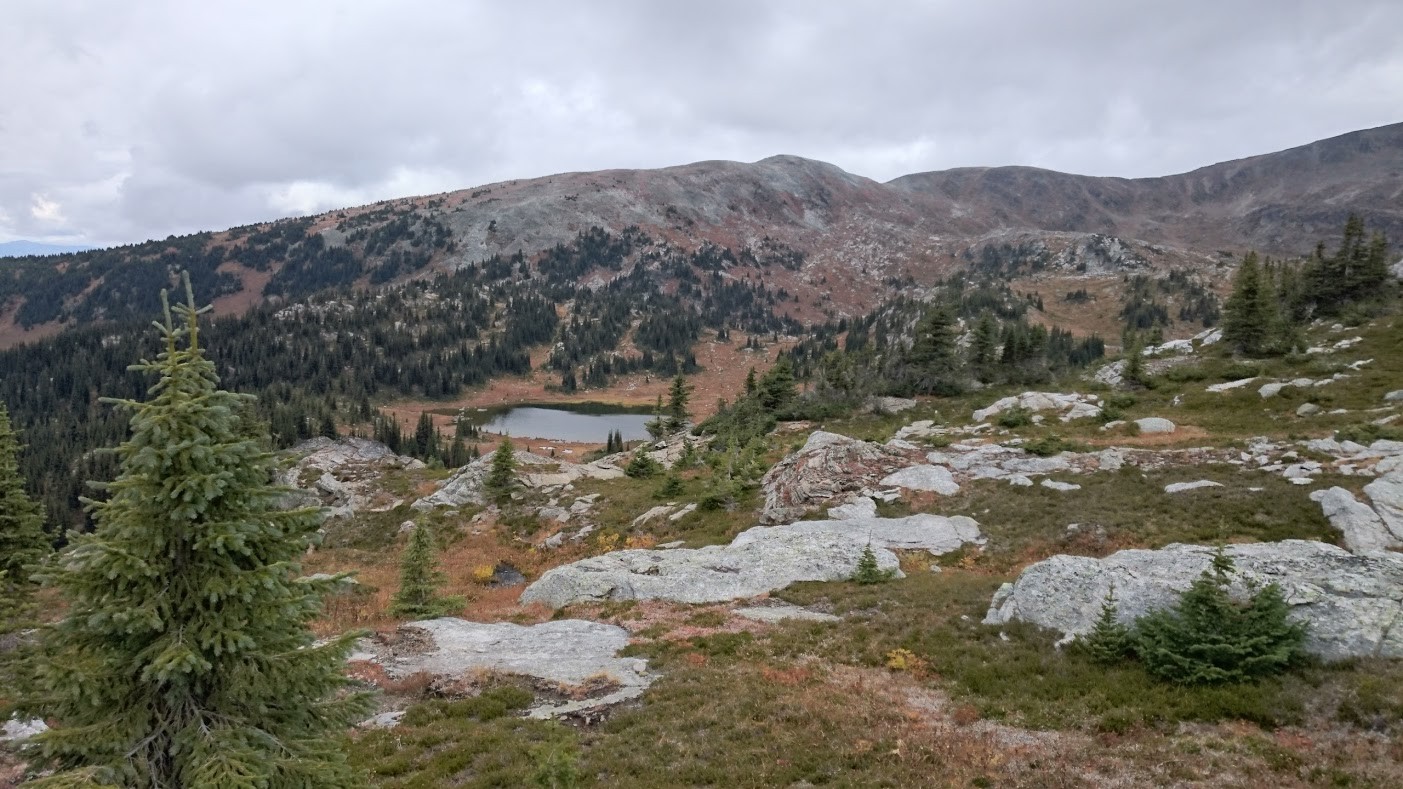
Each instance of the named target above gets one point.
<point>583,422</point>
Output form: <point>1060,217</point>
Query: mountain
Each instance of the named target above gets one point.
<point>839,243</point>
<point>22,248</point>
<point>1279,203</point>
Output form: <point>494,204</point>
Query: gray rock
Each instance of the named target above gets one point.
<point>1307,409</point>
<point>829,466</point>
<point>1362,528</point>
<point>860,507</point>
<point>1020,481</point>
<point>1351,604</point>
<point>1396,396</point>
<point>385,720</point>
<point>1231,385</point>
<point>1180,487</point>
<point>759,560</point>
<point>343,475</point>
<point>1155,424</point>
<point>1070,406</point>
<point>925,477</point>
<point>568,652</point>
<point>1271,389</point>
<point>888,405</point>
<point>1053,484</point>
<point>17,731</point>
<point>1386,493</point>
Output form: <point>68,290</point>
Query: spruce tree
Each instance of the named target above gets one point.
<point>22,539</point>
<point>420,579</point>
<point>1251,315</point>
<point>933,361</point>
<point>185,657</point>
<point>1109,642</point>
<point>501,477</point>
<point>677,399</point>
<point>1209,638</point>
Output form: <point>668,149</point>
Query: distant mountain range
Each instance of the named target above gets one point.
<point>843,242</point>
<point>15,249</point>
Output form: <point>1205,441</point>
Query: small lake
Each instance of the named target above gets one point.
<point>583,422</point>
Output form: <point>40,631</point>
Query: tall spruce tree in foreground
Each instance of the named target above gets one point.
<point>1251,316</point>
<point>185,658</point>
<point>22,539</point>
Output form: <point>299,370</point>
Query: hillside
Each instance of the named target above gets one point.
<point>844,242</point>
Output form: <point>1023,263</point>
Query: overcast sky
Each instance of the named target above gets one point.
<point>137,119</point>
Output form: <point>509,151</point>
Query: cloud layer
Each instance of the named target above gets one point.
<point>134,120</point>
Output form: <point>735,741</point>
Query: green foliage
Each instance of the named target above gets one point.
<point>501,476</point>
<point>23,543</point>
<point>1050,445</point>
<point>420,579</point>
<point>677,398</point>
<point>185,658</point>
<point>641,466</point>
<point>1252,321</point>
<point>672,486</point>
<point>1209,638</point>
<point>1109,642</point>
<point>1015,417</point>
<point>868,571</point>
<point>1367,433</point>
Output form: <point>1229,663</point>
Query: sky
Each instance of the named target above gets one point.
<point>123,121</point>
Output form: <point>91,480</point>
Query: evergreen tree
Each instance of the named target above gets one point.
<point>868,571</point>
<point>677,399</point>
<point>1210,638</point>
<point>1251,315</point>
<point>420,579</point>
<point>185,657</point>
<point>22,539</point>
<point>426,437</point>
<point>657,426</point>
<point>1134,370</point>
<point>776,386</point>
<point>933,362</point>
<point>501,477</point>
<point>1109,642</point>
<point>750,381</point>
<point>984,345</point>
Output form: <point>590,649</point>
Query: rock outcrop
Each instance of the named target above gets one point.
<point>1068,406</point>
<point>759,560</point>
<point>827,467</point>
<point>1351,604</point>
<point>1362,528</point>
<point>534,471</point>
<point>343,475</point>
<point>572,653</point>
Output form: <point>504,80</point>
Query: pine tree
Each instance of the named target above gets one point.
<point>1251,316</point>
<point>933,361</point>
<point>1109,642</point>
<point>657,426</point>
<point>22,539</point>
<point>868,571</point>
<point>750,382</point>
<point>501,477</point>
<point>185,657</point>
<point>984,345</point>
<point>677,399</point>
<point>1209,638</point>
<point>776,386</point>
<point>420,579</point>
<point>1134,370</point>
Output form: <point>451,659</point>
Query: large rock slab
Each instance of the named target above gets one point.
<point>1070,406</point>
<point>1362,528</point>
<point>533,471</point>
<point>936,479</point>
<point>569,652</point>
<point>344,475</point>
<point>1352,604</point>
<point>1386,492</point>
<point>829,466</point>
<point>759,560</point>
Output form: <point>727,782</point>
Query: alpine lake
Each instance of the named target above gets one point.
<point>573,422</point>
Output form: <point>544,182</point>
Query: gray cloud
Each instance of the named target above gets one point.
<point>139,119</point>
